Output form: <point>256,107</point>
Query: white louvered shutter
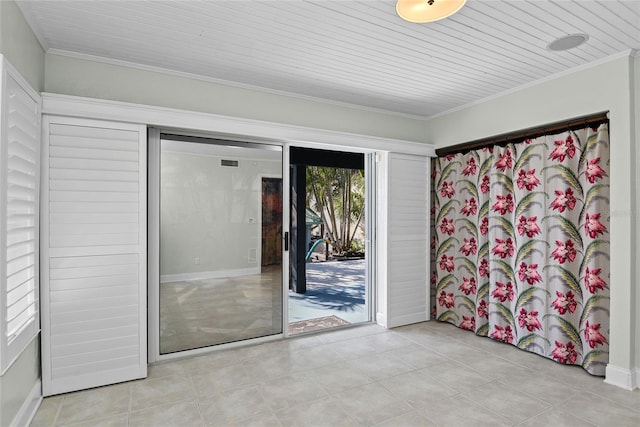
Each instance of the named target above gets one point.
<point>94,271</point>
<point>20,165</point>
<point>408,240</point>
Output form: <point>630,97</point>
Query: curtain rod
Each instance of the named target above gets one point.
<point>530,133</point>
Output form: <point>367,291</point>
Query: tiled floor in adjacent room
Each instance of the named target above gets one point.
<point>428,374</point>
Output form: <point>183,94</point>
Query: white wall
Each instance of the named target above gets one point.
<point>21,48</point>
<point>18,382</point>
<point>212,213</point>
<point>87,78</point>
<point>607,86</point>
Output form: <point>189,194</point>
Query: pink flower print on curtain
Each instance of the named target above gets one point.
<point>522,245</point>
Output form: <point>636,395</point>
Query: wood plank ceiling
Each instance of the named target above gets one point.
<point>355,52</point>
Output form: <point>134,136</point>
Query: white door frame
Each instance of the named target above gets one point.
<point>154,243</point>
<point>154,249</point>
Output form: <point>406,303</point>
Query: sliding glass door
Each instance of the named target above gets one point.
<point>220,244</point>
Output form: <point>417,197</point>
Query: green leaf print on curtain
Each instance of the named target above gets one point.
<point>520,247</point>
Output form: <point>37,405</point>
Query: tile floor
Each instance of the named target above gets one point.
<point>428,374</point>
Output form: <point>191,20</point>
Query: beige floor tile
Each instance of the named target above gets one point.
<point>257,421</point>
<point>600,411</point>
<point>513,405</point>
<point>379,366</point>
<point>460,411</point>
<point>456,376</point>
<point>490,366</point>
<point>314,357</point>
<point>160,391</point>
<point>431,342</point>
<point>630,399</point>
<point>426,330</point>
<point>271,366</point>
<point>338,377</point>
<point>451,331</point>
<point>350,333</point>
<point>46,414</point>
<point>290,391</point>
<point>457,350</point>
<point>417,356</point>
<point>171,415</point>
<point>509,373</point>
<point>299,343</point>
<point>321,413</point>
<point>571,375</point>
<point>215,360</point>
<point>410,419</point>
<point>556,417</point>
<point>235,406</point>
<point>546,389</point>
<point>210,382</point>
<point>354,348</point>
<point>94,404</point>
<point>121,420</point>
<point>165,369</point>
<point>388,341</point>
<point>428,374</point>
<point>371,404</point>
<point>267,349</point>
<point>417,389</point>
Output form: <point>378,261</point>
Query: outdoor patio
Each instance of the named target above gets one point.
<point>335,294</point>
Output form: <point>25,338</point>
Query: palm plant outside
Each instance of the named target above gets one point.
<point>337,195</point>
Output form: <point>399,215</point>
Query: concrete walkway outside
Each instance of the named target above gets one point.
<point>334,288</point>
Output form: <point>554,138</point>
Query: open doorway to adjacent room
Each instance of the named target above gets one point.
<point>330,243</point>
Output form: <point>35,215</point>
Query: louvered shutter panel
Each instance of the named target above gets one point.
<point>20,165</point>
<point>408,240</point>
<point>94,272</point>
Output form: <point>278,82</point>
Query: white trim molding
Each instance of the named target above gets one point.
<point>381,319</point>
<point>29,406</point>
<point>624,378</point>
<point>224,126</point>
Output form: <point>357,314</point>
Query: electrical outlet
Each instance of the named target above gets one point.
<point>196,261</point>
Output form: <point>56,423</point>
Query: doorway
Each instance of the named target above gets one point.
<point>220,242</point>
<point>330,236</point>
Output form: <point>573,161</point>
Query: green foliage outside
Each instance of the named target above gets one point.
<point>337,195</point>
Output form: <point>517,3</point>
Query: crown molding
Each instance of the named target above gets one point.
<point>166,71</point>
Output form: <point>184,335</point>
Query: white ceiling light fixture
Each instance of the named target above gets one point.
<point>568,42</point>
<point>421,11</point>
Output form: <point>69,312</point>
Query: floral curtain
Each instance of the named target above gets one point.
<point>521,245</point>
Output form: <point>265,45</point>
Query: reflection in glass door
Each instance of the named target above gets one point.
<point>220,242</point>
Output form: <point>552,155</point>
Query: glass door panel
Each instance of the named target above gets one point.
<point>220,242</point>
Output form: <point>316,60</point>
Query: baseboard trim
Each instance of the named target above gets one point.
<point>623,378</point>
<point>408,319</point>
<point>381,319</point>
<point>29,406</point>
<point>203,275</point>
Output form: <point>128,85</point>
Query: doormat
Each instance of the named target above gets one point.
<point>316,324</point>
